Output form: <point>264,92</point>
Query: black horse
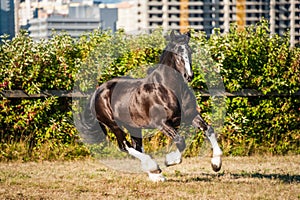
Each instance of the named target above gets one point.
<point>162,100</point>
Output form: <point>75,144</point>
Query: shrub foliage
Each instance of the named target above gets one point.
<point>33,129</point>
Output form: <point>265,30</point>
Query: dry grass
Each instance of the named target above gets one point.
<point>240,178</point>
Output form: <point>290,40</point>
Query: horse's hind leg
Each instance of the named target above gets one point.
<point>103,128</point>
<point>136,138</point>
<point>216,161</point>
<point>148,164</point>
<point>174,157</point>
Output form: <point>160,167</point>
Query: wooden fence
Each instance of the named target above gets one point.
<point>16,94</point>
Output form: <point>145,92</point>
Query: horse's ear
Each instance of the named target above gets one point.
<point>188,36</point>
<point>172,35</point>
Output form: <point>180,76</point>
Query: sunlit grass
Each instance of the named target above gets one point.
<point>257,177</point>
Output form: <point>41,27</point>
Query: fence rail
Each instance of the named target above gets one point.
<point>16,94</point>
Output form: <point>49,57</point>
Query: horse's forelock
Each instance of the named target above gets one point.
<point>180,38</point>
<point>177,47</point>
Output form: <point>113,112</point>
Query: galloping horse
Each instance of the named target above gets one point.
<point>162,100</point>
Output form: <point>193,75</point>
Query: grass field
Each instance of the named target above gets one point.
<point>258,177</point>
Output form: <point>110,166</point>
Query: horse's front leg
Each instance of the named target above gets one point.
<point>216,161</point>
<point>174,157</point>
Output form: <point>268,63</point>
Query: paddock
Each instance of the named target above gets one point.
<point>255,177</point>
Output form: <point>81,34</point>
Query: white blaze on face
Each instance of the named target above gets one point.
<point>186,59</point>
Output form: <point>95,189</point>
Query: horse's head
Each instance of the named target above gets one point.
<point>179,55</point>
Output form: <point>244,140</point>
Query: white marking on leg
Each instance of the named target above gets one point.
<point>216,149</point>
<point>216,160</point>
<point>156,177</point>
<point>148,164</point>
<point>173,158</point>
<point>214,143</point>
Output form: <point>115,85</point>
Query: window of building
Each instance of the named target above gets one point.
<point>155,15</point>
<point>155,23</point>
<point>172,7</point>
<point>196,15</point>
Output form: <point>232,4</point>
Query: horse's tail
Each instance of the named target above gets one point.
<point>91,131</point>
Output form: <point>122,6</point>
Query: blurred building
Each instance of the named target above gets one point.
<point>7,17</point>
<point>206,15</point>
<point>79,20</point>
<point>145,15</point>
<point>129,14</point>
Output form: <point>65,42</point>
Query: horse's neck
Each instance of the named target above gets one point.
<point>166,76</point>
<point>173,80</point>
<point>167,59</point>
<point>166,73</point>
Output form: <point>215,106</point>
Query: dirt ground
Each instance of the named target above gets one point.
<point>258,177</point>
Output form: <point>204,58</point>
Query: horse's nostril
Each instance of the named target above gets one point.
<point>189,79</point>
<point>186,77</point>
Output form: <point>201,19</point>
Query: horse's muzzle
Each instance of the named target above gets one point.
<point>190,78</point>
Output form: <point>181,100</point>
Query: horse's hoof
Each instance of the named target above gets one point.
<point>156,177</point>
<point>174,162</point>
<point>173,158</point>
<point>216,163</point>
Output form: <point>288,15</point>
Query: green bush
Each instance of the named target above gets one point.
<point>38,125</point>
<point>255,59</point>
<point>42,128</point>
